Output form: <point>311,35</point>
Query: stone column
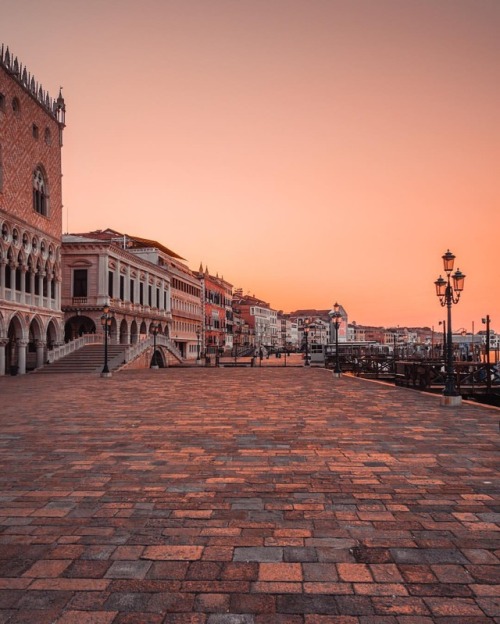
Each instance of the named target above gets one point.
<point>41,275</point>
<point>126,291</point>
<point>116,281</point>
<point>3,343</point>
<point>13,281</point>
<point>3,264</point>
<point>22,346</point>
<point>24,269</point>
<point>49,288</point>
<point>102,281</point>
<point>40,353</point>
<point>57,293</point>
<point>32,285</point>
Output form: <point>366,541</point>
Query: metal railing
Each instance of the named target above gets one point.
<point>470,377</point>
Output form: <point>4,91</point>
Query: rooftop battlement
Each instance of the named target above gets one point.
<point>55,107</point>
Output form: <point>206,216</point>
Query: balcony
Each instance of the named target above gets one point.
<point>127,307</point>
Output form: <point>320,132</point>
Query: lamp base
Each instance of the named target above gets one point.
<point>155,366</point>
<point>337,375</point>
<point>106,374</point>
<point>451,401</point>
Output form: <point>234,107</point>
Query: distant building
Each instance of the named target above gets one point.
<point>99,270</point>
<point>31,129</point>
<point>141,280</point>
<point>218,327</point>
<point>287,332</point>
<point>261,319</point>
<point>320,326</point>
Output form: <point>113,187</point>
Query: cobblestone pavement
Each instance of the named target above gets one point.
<point>245,496</point>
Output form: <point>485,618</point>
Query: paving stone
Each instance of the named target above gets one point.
<point>301,604</point>
<point>84,617</point>
<point>245,496</point>
<point>139,618</point>
<point>212,603</point>
<point>128,569</point>
<point>124,601</point>
<point>258,554</point>
<point>164,602</point>
<point>231,619</point>
<point>83,568</point>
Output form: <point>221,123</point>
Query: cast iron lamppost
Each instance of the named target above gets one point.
<point>449,294</point>
<point>106,320</point>
<point>306,335</point>
<point>198,342</point>
<point>154,328</point>
<point>443,323</point>
<point>217,351</point>
<point>336,318</point>
<point>486,321</point>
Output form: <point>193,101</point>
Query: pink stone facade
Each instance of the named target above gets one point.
<point>31,126</point>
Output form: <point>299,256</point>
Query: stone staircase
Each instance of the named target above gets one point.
<point>88,359</point>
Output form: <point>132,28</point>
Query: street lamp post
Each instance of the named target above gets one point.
<point>106,320</point>
<point>306,336</point>
<point>336,318</point>
<point>154,328</point>
<point>449,294</point>
<point>198,343</point>
<point>486,321</point>
<point>443,323</point>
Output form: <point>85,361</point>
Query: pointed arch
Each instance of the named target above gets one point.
<point>51,334</point>
<point>40,191</point>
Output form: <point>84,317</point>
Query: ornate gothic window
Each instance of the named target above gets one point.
<point>40,197</point>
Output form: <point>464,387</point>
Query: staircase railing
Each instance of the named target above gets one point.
<point>58,352</point>
<point>130,352</point>
<point>166,342</point>
<point>133,351</point>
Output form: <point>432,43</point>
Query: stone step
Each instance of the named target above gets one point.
<point>88,359</point>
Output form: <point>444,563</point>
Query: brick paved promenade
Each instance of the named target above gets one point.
<point>245,496</point>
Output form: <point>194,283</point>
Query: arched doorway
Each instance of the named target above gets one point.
<point>35,344</point>
<point>51,335</point>
<point>134,334</point>
<point>13,361</point>
<point>113,331</point>
<point>124,332</point>
<point>78,325</point>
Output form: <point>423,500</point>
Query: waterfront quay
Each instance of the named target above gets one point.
<point>245,496</point>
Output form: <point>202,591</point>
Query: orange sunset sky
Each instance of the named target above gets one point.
<point>307,150</point>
